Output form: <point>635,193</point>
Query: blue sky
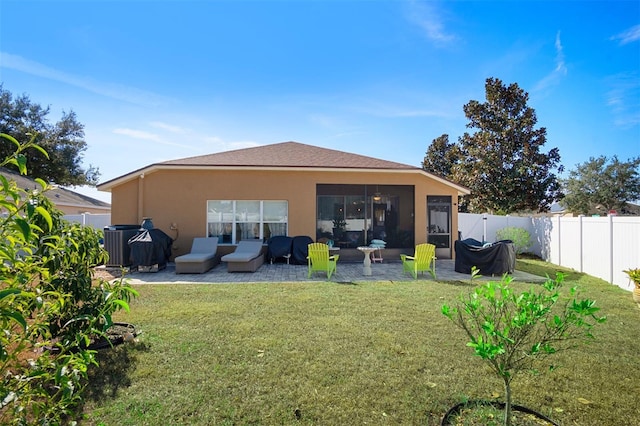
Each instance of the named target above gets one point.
<point>159,80</point>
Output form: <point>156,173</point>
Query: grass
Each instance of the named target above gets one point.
<point>336,354</point>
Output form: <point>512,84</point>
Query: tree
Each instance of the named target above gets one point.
<point>602,184</point>
<point>502,163</point>
<point>63,141</point>
<point>512,332</point>
<point>441,156</point>
<point>51,305</point>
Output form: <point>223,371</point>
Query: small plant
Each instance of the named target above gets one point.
<point>634,275</point>
<point>339,223</point>
<point>520,237</point>
<point>512,331</point>
<point>475,273</point>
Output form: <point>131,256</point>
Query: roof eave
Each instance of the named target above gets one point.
<point>107,186</point>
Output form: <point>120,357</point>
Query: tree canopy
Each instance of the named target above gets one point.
<point>64,140</point>
<point>502,162</point>
<point>441,156</point>
<point>601,185</point>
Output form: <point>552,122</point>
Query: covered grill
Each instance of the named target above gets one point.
<point>150,250</point>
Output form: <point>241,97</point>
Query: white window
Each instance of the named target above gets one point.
<point>235,220</point>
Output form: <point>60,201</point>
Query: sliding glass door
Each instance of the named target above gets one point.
<point>354,215</point>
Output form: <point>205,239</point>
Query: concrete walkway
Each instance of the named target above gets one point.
<point>281,272</point>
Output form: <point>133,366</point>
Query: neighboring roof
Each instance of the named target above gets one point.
<point>58,195</point>
<point>291,155</point>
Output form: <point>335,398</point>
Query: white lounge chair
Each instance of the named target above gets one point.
<point>203,257</point>
<point>247,257</point>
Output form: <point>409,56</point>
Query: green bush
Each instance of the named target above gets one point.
<point>49,300</point>
<point>520,237</point>
<point>513,331</point>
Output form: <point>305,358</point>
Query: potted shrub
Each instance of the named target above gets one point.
<point>339,226</point>
<point>634,275</point>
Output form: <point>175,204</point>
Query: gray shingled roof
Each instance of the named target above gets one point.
<point>280,155</point>
<point>288,154</point>
<point>57,195</point>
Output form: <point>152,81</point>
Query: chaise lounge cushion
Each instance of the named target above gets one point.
<point>246,258</point>
<point>203,257</point>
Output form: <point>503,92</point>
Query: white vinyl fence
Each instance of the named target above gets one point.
<point>598,246</point>
<point>98,221</point>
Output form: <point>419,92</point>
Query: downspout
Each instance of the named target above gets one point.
<point>140,198</point>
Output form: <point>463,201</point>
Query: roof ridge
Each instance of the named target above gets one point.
<point>288,154</point>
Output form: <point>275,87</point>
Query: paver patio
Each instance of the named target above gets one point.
<point>347,272</point>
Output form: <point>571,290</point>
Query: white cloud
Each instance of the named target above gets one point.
<point>405,108</point>
<point>110,90</point>
<point>324,120</point>
<point>427,17</point>
<point>137,134</point>
<point>560,65</point>
<point>147,136</point>
<point>628,36</point>
<point>167,127</point>
<point>560,70</point>
<point>217,144</point>
<point>623,97</point>
<point>241,145</point>
<point>213,140</point>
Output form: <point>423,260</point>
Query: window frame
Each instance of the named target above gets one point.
<point>237,220</point>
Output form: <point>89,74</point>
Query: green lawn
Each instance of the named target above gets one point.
<point>339,354</point>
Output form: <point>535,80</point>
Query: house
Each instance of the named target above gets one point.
<point>291,189</point>
<point>65,200</point>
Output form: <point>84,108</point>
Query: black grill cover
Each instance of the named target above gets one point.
<point>496,259</point>
<point>278,246</point>
<point>300,249</point>
<point>150,247</point>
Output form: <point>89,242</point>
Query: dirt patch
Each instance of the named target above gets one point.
<point>106,273</point>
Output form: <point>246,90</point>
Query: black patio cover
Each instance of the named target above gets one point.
<point>278,246</point>
<point>494,259</point>
<point>300,249</point>
<point>150,247</point>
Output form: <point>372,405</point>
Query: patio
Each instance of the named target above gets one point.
<point>347,272</point>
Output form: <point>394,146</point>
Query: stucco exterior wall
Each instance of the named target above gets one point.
<point>125,200</point>
<point>178,198</point>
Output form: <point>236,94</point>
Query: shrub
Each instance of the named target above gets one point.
<point>48,299</point>
<point>520,237</point>
<point>512,332</point>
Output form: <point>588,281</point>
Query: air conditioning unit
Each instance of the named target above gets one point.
<point>116,239</point>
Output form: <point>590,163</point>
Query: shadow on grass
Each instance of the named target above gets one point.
<point>458,283</point>
<point>115,365</point>
<point>543,269</point>
<point>113,371</point>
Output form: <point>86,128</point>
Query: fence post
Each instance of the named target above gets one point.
<point>559,243</point>
<point>610,216</point>
<point>580,239</point>
<point>484,228</point>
